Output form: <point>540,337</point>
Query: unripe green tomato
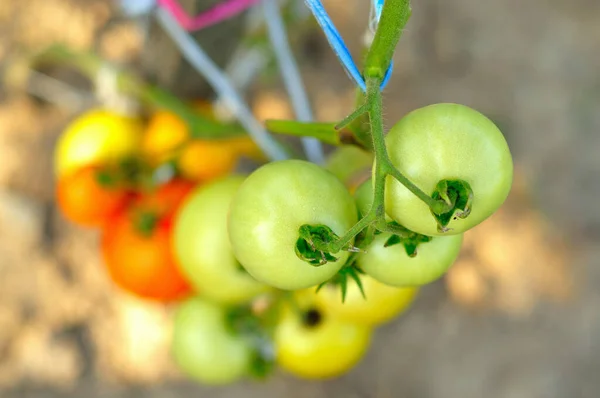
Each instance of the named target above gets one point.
<point>447,141</point>
<point>267,212</point>
<point>392,265</point>
<point>202,245</point>
<point>348,160</point>
<point>204,348</point>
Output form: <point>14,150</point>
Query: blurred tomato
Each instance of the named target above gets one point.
<point>97,136</point>
<point>89,196</point>
<point>166,132</point>
<point>205,348</point>
<point>315,345</point>
<point>136,245</point>
<point>350,164</point>
<point>166,199</point>
<point>208,159</point>
<point>380,304</point>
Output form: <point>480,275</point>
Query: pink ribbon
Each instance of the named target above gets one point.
<point>212,16</point>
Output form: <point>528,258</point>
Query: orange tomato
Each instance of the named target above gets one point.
<point>208,159</point>
<point>205,160</point>
<point>167,198</point>
<point>168,137</point>
<point>166,132</point>
<point>90,195</point>
<point>136,245</point>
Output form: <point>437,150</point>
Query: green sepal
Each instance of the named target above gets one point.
<point>349,270</point>
<point>145,222</point>
<point>241,321</point>
<point>409,239</point>
<point>457,196</point>
<point>261,364</point>
<point>313,242</point>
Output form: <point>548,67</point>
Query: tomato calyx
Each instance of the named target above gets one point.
<point>145,222</point>
<point>349,271</point>
<point>313,244</point>
<point>457,197</point>
<point>242,321</point>
<point>409,239</point>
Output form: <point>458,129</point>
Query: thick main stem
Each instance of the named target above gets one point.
<point>394,16</point>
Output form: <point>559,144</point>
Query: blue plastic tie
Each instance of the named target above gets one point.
<point>337,43</point>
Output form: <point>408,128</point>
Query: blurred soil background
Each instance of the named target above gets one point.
<point>518,315</point>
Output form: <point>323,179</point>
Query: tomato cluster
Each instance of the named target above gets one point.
<point>249,256</point>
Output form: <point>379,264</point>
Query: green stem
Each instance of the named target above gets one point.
<point>383,167</point>
<point>322,131</point>
<point>394,16</point>
<point>358,112</point>
<point>383,164</point>
<point>342,242</point>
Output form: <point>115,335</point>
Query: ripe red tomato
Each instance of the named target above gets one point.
<point>136,245</point>
<point>90,195</point>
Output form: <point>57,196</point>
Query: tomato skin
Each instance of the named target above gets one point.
<point>139,257</point>
<point>203,348</point>
<point>205,160</point>
<point>165,200</point>
<point>382,302</point>
<point>202,245</point>
<point>168,137</point>
<point>447,141</point>
<point>142,264</point>
<point>95,137</point>
<point>164,133</point>
<point>322,351</point>
<point>347,163</point>
<point>392,266</point>
<point>84,200</point>
<point>267,212</point>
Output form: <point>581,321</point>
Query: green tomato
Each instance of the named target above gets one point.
<point>346,161</point>
<point>364,197</point>
<point>202,245</point>
<point>447,141</point>
<point>204,348</point>
<point>267,212</point>
<point>392,265</point>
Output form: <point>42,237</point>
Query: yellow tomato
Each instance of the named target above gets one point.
<point>382,302</point>
<point>164,133</point>
<point>312,344</point>
<point>97,136</point>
